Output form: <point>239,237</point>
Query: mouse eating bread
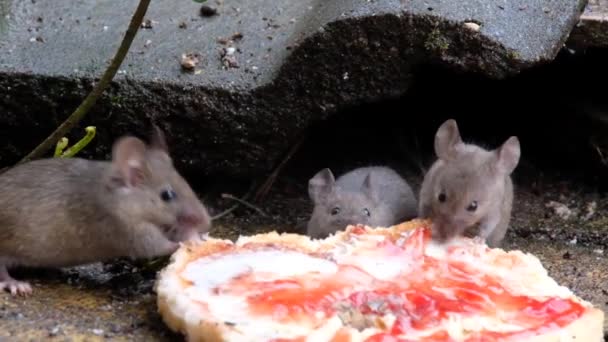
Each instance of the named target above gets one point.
<point>61,212</point>
<point>468,185</point>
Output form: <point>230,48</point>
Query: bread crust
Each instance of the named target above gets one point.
<point>176,309</point>
<point>589,327</point>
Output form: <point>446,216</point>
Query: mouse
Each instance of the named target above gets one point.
<point>62,212</point>
<point>376,196</point>
<point>468,186</point>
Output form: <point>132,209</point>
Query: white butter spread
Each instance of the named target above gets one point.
<point>386,268</point>
<point>208,273</point>
<point>525,276</point>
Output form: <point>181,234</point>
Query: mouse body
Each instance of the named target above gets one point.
<point>376,196</point>
<point>469,186</point>
<point>60,212</point>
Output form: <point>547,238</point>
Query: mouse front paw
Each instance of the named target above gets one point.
<point>16,287</point>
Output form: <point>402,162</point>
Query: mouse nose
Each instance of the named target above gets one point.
<point>191,217</point>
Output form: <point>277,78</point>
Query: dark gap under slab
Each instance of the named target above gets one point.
<point>559,114</point>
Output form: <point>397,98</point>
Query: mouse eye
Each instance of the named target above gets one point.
<point>335,211</point>
<point>472,206</point>
<point>168,195</point>
<point>366,212</point>
<point>442,197</point>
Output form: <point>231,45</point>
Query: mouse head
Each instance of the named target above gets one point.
<point>149,191</point>
<point>336,208</point>
<point>469,181</point>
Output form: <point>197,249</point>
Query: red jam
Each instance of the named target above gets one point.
<point>420,299</point>
<point>358,230</point>
<point>305,296</point>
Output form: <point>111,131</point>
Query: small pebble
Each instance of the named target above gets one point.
<point>590,210</point>
<point>189,61</point>
<point>228,58</point>
<point>472,26</point>
<point>55,331</point>
<point>146,24</point>
<point>567,256</point>
<point>207,11</point>
<point>97,332</point>
<point>560,209</point>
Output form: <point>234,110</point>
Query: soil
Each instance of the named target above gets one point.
<point>116,300</point>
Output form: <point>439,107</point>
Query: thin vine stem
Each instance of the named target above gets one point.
<point>99,88</point>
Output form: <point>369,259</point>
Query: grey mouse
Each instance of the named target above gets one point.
<point>60,212</point>
<point>467,186</point>
<point>374,196</point>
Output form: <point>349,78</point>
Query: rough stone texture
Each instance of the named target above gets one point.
<point>298,61</point>
<point>592,30</point>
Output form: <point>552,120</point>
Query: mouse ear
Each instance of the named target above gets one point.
<point>447,140</point>
<point>507,155</point>
<point>321,185</point>
<point>369,189</point>
<point>157,139</point>
<point>129,161</point>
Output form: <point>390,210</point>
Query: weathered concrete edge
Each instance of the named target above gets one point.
<point>591,31</point>
<point>354,60</point>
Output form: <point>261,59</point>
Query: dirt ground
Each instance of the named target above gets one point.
<point>115,301</point>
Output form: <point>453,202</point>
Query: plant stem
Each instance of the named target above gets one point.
<point>105,80</point>
<point>245,203</point>
<point>90,134</point>
<point>231,209</point>
<point>265,188</point>
<point>61,145</point>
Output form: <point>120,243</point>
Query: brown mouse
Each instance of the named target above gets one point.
<point>61,212</point>
<point>468,186</point>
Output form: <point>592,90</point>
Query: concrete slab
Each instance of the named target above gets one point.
<point>298,61</point>
<point>70,39</point>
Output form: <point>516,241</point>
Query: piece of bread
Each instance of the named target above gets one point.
<point>362,283</point>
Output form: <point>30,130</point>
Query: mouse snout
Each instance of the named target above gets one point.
<point>349,218</point>
<point>445,228</point>
<point>341,223</point>
<point>194,216</point>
